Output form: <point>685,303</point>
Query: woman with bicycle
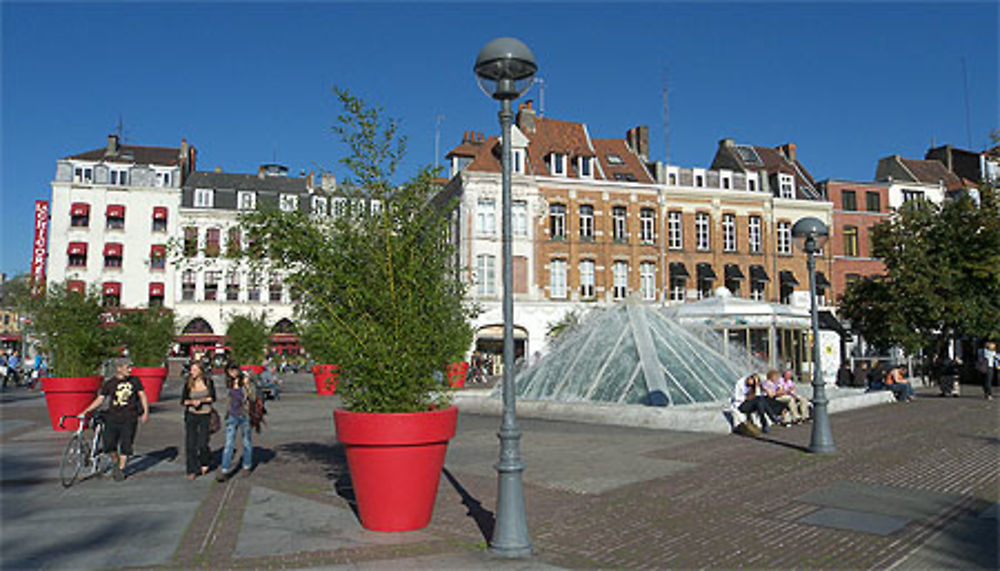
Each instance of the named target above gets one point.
<point>126,393</point>
<point>197,397</point>
<point>242,392</point>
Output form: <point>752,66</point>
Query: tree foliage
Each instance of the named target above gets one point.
<point>147,333</point>
<point>71,328</point>
<point>381,297</point>
<point>247,336</point>
<point>942,279</point>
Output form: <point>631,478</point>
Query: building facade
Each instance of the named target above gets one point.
<point>857,207</point>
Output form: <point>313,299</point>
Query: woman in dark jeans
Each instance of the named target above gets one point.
<point>197,397</point>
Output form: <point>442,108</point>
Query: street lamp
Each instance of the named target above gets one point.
<point>504,70</point>
<point>810,235</point>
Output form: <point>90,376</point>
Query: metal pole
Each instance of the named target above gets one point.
<point>822,437</point>
<point>510,534</point>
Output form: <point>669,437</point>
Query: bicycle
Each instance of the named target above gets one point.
<point>82,451</point>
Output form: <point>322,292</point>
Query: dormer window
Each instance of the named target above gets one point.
<point>752,185</point>
<point>517,161</point>
<point>625,176</point>
<point>204,197</point>
<point>786,185</point>
<point>699,181</point>
<point>246,200</point>
<point>289,203</point>
<point>458,164</point>
<point>615,160</point>
<point>557,164</point>
<point>584,166</point>
<point>726,182</point>
<point>319,205</point>
<point>83,174</point>
<point>163,179</point>
<point>119,177</point>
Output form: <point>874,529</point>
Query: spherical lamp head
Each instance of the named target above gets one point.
<point>810,234</point>
<point>505,68</point>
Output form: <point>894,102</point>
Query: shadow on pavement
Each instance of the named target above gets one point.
<point>484,518</point>
<point>333,458</point>
<point>150,459</point>
<point>764,438</point>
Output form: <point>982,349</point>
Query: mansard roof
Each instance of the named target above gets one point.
<point>772,160</point>
<point>163,156</point>
<point>239,181</point>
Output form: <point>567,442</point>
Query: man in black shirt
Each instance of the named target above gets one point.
<point>126,394</point>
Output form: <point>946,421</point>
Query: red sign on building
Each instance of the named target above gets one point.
<point>40,247</point>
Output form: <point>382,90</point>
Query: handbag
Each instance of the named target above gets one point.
<point>214,421</point>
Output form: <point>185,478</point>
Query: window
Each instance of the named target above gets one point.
<point>213,237</point>
<point>751,184</point>
<point>188,281</point>
<point>190,241</point>
<point>851,279</point>
<point>517,161</point>
<point>375,207</point>
<point>83,174</point>
<point>786,185</point>
<point>246,200</point>
<point>757,290</point>
<point>647,225</point>
<point>288,203</point>
<point>615,160</point>
<point>253,286</point>
<point>848,200</point>
<point>232,286</point>
<point>699,180</point>
<point>340,206</point>
<point>557,164</point>
<point>873,202</point>
<point>784,237</point>
<point>620,274</point>
<point>726,183</point>
<point>112,255</point>
<point>159,219</point>
<point>733,286</point>
<point>156,294</point>
<point>729,232</point>
<point>112,294</point>
<point>163,179</point>
<point>158,257</point>
<point>79,214</point>
<point>557,279</point>
<point>115,217</point>
<point>754,235</point>
<point>584,168</point>
<point>909,195</point>
<point>677,288</point>
<point>486,217</point>
<point>702,231</point>
<point>587,222</point>
<point>672,178</point>
<point>647,281</point>
<point>119,177</point>
<point>233,241</point>
<point>587,279</point>
<point>77,253</point>
<point>459,163</point>
<point>619,223</point>
<point>212,279</point>
<point>626,176</point>
<point>851,241</point>
<point>204,197</point>
<point>319,205</point>
<point>557,221</point>
<point>674,230</point>
<point>274,288</point>
<point>519,217</point>
<point>486,274</point>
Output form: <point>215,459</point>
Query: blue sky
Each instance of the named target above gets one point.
<point>251,83</point>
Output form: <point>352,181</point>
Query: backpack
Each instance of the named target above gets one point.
<point>256,409</point>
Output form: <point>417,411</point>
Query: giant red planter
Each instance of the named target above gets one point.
<point>395,460</point>
<point>255,369</point>
<point>68,396</point>
<point>152,381</point>
<point>325,377</point>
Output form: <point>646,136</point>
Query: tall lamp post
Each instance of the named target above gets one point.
<point>810,235</point>
<point>504,69</point>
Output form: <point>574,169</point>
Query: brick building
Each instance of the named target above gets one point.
<point>857,206</point>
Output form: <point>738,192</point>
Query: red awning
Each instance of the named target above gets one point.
<point>113,249</point>
<point>77,249</point>
<point>10,336</point>
<point>112,288</point>
<point>159,213</point>
<point>116,211</point>
<point>76,285</point>
<point>158,251</point>
<point>156,289</point>
<point>79,209</point>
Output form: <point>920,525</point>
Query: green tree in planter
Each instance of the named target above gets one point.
<point>247,336</point>
<point>72,330</point>
<point>147,333</point>
<point>381,294</point>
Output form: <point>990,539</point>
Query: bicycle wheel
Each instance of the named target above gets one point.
<point>73,459</point>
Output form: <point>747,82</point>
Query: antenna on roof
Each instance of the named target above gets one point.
<point>666,118</point>
<point>437,138</point>
<point>968,128</point>
<point>120,130</point>
<point>541,96</point>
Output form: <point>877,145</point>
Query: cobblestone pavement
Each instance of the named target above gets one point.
<point>909,486</point>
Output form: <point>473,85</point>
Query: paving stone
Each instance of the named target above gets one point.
<point>865,522</point>
<point>884,500</point>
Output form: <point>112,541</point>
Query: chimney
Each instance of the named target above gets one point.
<point>328,182</point>
<point>789,150</point>
<point>112,148</point>
<point>260,172</point>
<point>637,139</point>
<point>310,182</point>
<point>526,118</point>
<point>727,143</point>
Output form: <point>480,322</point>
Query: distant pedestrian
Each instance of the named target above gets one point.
<point>242,394</point>
<point>988,364</point>
<point>126,395</point>
<point>197,397</point>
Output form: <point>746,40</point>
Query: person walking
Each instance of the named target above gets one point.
<point>197,397</point>
<point>126,394</point>
<point>242,393</point>
<point>987,365</point>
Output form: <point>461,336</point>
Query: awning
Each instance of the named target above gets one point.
<point>757,274</point>
<point>112,288</point>
<point>79,209</point>
<point>788,278</point>
<point>113,249</point>
<point>496,332</point>
<point>76,285</point>
<point>10,336</point>
<point>733,272</point>
<point>678,271</point>
<point>158,251</point>
<point>821,280</point>
<point>705,271</point>
<point>159,213</point>
<point>77,249</point>
<point>828,321</point>
<point>156,289</point>
<point>115,211</point>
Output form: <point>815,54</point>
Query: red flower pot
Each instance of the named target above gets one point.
<point>395,462</point>
<point>68,396</point>
<point>152,381</point>
<point>325,377</point>
<point>255,369</point>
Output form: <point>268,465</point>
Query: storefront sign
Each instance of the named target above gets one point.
<point>40,247</point>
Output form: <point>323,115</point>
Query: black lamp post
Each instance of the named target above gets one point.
<point>505,69</point>
<point>810,235</point>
